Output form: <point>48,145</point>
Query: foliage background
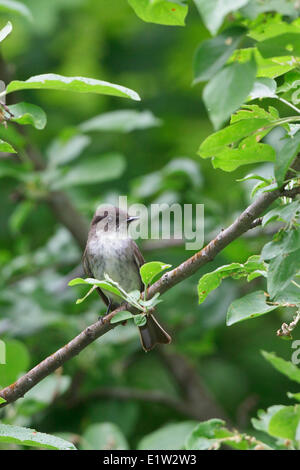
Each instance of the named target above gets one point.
<point>106,40</point>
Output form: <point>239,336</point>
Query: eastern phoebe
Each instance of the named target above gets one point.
<point>110,250</point>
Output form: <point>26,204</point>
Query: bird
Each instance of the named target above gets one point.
<point>110,250</point>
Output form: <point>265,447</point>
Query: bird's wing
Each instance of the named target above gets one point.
<point>139,260</point>
<point>88,272</point>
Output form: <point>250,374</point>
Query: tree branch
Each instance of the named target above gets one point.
<point>168,280</point>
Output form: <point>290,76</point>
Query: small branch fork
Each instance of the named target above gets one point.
<point>242,224</point>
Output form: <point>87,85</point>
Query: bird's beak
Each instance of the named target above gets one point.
<point>132,218</point>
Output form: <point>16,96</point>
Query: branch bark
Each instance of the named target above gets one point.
<point>242,224</point>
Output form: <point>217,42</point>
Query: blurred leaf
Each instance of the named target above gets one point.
<point>280,45</point>
<point>285,367</point>
<point>286,156</point>
<point>285,423</point>
<point>90,171</point>
<point>125,120</point>
<point>263,88</point>
<point>222,100</point>
<point>169,437</point>
<point>13,6</point>
<point>20,214</point>
<point>51,81</point>
<point>212,54</point>
<point>212,280</point>
<point>250,306</point>
<point>281,271</point>
<point>26,113</point>
<point>17,362</point>
<point>121,316</point>
<point>255,7</point>
<point>150,270</point>
<point>66,148</point>
<point>4,32</point>
<point>140,320</point>
<point>165,12</point>
<point>214,12</point>
<point>103,436</point>
<point>294,396</point>
<point>6,147</point>
<point>285,241</point>
<point>30,437</point>
<point>287,213</point>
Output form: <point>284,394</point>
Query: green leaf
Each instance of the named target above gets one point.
<point>250,306</point>
<point>121,316</point>
<point>281,271</point>
<point>263,88</point>
<point>264,418</point>
<point>66,148</point>
<point>150,270</point>
<point>228,90</point>
<point>230,136</point>
<point>140,319</point>
<point>212,280</point>
<point>286,423</point>
<point>212,54</point>
<point>212,434</point>
<point>165,12</point>
<point>2,400</point>
<point>30,437</point>
<point>6,147</point>
<point>103,436</point>
<point>287,213</point>
<point>168,437</point>
<point>230,159</point>
<point>286,368</point>
<point>52,81</point>
<point>96,283</point>
<point>26,113</point>
<point>281,45</point>
<point>213,12</point>
<point>17,362</point>
<point>285,241</point>
<point>271,68</point>
<point>12,6</point>
<point>294,396</point>
<point>4,32</point>
<point>125,120</point>
<point>90,171</point>
<point>255,7</point>
<point>285,156</point>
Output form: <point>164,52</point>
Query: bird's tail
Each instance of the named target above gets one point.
<point>152,333</point>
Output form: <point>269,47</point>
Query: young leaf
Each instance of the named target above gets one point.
<point>285,423</point>
<point>221,101</point>
<point>95,282</point>
<point>121,316</point>
<point>30,437</point>
<point>165,12</point>
<point>6,147</point>
<point>212,54</point>
<point>140,319</point>
<point>250,306</point>
<point>26,113</point>
<point>4,32</point>
<point>285,367</point>
<point>52,81</point>
<point>212,280</point>
<point>150,270</point>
